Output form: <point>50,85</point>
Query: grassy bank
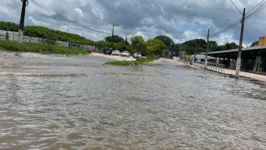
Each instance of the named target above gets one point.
<point>39,48</point>
<point>138,62</point>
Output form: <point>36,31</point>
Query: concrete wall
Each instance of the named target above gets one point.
<point>14,36</point>
<point>61,43</point>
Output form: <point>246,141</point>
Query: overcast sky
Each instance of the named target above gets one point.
<point>177,19</point>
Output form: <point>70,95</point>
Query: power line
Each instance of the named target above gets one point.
<point>255,6</point>
<point>260,8</point>
<point>38,4</point>
<point>100,19</point>
<point>201,25</point>
<point>48,10</point>
<point>225,29</point>
<point>62,17</point>
<point>212,30</point>
<point>236,7</point>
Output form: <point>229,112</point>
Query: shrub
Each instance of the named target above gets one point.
<point>7,35</point>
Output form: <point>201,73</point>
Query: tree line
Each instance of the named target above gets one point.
<point>200,45</point>
<point>153,46</point>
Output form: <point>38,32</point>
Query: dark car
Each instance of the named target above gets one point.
<point>107,51</point>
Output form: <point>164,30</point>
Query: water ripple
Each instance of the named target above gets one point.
<point>150,107</point>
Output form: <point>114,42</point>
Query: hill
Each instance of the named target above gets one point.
<point>44,32</point>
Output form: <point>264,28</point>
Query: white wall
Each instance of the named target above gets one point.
<point>14,36</point>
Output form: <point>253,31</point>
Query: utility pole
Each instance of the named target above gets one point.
<point>113,31</point>
<point>207,49</point>
<point>25,3</point>
<point>126,37</point>
<point>238,62</point>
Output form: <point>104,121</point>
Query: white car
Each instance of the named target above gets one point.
<point>116,52</point>
<point>137,55</point>
<point>125,54</point>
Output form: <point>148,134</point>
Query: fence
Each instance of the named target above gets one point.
<point>212,66</point>
<point>14,36</point>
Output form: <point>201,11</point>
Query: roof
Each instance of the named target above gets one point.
<point>236,50</point>
<point>202,56</point>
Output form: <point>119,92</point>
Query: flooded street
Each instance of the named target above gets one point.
<point>96,107</point>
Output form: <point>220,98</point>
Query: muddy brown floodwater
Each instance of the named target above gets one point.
<point>160,106</point>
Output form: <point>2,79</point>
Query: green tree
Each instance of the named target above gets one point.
<point>155,47</point>
<point>43,32</point>
<point>176,47</point>
<point>166,40</point>
<point>213,45</point>
<point>227,46</point>
<point>194,46</point>
<point>231,45</point>
<point>114,39</point>
<point>103,44</point>
<point>122,46</point>
<point>138,44</point>
<point>256,43</point>
<point>221,48</point>
<point>9,26</point>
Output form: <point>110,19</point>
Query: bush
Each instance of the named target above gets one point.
<point>40,48</point>
<point>7,36</point>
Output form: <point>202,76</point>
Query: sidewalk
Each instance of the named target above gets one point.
<point>168,61</point>
<point>232,72</point>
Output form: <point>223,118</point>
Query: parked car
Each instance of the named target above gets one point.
<point>137,55</point>
<point>125,54</point>
<point>87,50</point>
<point>107,51</point>
<point>116,52</point>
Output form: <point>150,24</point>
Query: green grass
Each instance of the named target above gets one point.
<point>39,48</point>
<point>138,62</point>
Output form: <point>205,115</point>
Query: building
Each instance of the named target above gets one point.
<point>253,58</point>
<point>201,59</point>
<point>167,53</point>
<point>262,41</point>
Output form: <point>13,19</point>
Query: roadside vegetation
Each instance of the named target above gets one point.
<point>194,46</point>
<point>44,32</point>
<point>138,62</point>
<point>152,48</point>
<point>39,48</point>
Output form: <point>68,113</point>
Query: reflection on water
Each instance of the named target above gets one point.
<point>149,107</point>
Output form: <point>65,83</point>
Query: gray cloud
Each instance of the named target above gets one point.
<point>147,17</point>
